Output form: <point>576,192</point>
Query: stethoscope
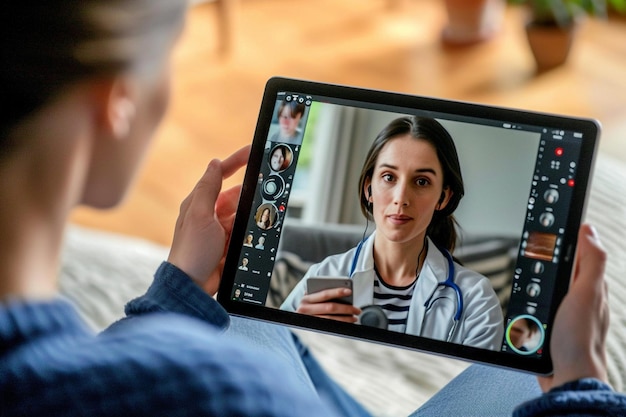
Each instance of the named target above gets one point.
<point>448,283</point>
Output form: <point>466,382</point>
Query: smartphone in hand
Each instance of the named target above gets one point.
<point>316,284</point>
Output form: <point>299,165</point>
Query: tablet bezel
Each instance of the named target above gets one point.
<point>589,128</point>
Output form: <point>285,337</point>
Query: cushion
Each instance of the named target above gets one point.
<point>288,271</point>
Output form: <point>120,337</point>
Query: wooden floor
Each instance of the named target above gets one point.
<point>355,42</point>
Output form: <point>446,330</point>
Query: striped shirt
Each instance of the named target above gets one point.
<point>395,302</point>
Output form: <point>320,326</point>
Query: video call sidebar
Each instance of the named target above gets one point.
<point>541,245</point>
<point>273,190</point>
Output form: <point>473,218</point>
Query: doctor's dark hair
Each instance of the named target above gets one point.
<point>442,227</point>
<point>48,46</point>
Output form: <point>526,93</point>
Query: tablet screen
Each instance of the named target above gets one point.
<point>455,222</point>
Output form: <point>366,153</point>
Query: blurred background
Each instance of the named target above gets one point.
<point>231,47</point>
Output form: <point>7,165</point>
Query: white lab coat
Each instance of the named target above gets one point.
<point>481,324</point>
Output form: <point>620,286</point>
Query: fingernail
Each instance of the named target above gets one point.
<point>594,235</point>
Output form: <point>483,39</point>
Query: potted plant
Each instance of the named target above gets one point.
<point>472,21</point>
<point>552,25</point>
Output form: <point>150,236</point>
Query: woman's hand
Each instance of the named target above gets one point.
<point>321,304</point>
<point>582,320</point>
<point>205,222</point>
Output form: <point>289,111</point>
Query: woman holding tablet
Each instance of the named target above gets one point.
<point>73,132</point>
<point>410,185</point>
<point>84,85</point>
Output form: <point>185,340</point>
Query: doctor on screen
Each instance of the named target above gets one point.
<point>403,273</point>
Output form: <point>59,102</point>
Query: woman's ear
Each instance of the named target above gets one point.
<point>446,195</point>
<point>117,108</point>
<point>367,190</point>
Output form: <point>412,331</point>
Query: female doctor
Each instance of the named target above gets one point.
<point>410,185</point>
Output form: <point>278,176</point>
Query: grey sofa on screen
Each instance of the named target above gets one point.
<point>302,245</point>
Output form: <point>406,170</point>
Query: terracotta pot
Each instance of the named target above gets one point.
<point>471,21</point>
<point>550,44</point>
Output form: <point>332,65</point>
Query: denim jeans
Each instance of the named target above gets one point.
<point>282,342</point>
<point>478,391</point>
<point>483,391</point>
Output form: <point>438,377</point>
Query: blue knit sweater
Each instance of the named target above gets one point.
<point>167,358</point>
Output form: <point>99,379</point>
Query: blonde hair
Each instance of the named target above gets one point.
<point>49,45</point>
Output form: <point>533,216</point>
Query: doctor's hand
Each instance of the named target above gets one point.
<point>205,222</point>
<point>322,304</point>
<point>582,319</point>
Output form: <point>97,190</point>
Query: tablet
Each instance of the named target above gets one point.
<point>456,222</point>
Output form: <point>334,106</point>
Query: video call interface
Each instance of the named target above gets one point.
<point>519,180</point>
